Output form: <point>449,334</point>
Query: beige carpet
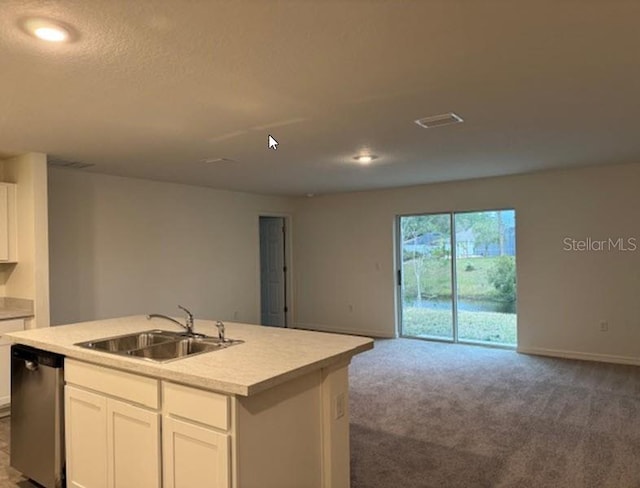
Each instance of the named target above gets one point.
<point>436,415</point>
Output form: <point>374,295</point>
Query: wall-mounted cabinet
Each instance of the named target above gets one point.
<point>8,223</point>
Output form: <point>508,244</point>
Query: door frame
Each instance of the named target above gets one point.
<point>288,260</point>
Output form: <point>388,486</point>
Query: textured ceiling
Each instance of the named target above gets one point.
<point>150,88</point>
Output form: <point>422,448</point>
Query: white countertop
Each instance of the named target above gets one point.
<point>268,357</point>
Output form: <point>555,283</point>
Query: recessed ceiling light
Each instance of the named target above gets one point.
<point>365,158</point>
<point>47,30</point>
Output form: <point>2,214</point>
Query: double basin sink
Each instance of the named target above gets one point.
<point>159,345</point>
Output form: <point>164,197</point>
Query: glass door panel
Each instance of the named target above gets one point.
<point>426,276</point>
<point>485,264</point>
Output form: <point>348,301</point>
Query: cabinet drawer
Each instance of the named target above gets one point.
<point>132,387</point>
<point>12,325</point>
<point>201,406</point>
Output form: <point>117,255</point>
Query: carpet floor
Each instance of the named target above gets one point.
<point>432,415</point>
<point>9,477</point>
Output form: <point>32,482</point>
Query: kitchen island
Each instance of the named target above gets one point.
<point>270,412</point>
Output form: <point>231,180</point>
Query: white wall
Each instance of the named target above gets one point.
<point>29,278</point>
<point>123,246</point>
<point>344,256</point>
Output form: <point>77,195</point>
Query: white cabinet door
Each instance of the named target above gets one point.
<point>86,438</point>
<point>5,358</point>
<point>110,444</point>
<point>8,216</point>
<point>4,223</point>
<point>194,456</point>
<point>133,440</point>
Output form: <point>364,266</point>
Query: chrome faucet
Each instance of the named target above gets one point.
<point>189,319</point>
<point>188,325</point>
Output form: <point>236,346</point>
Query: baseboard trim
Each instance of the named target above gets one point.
<point>584,356</point>
<point>339,330</point>
<point>5,410</point>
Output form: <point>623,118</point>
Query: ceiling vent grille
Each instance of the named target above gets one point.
<point>217,160</point>
<point>67,163</point>
<point>439,120</point>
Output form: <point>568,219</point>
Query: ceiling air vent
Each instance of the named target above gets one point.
<point>67,163</point>
<point>439,120</point>
<point>217,160</point>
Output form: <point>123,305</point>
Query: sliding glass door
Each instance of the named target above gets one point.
<point>457,276</point>
<point>427,281</point>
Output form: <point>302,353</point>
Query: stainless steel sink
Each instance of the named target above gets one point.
<point>130,342</point>
<point>158,345</point>
<point>178,349</point>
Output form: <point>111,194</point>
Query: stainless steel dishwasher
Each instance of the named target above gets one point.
<point>37,415</point>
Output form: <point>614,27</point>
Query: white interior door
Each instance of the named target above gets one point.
<point>273,271</point>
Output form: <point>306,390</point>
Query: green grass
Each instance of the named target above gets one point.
<point>436,282</point>
<point>475,283</point>
<point>492,327</point>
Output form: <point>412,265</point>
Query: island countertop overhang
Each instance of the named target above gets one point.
<point>269,356</point>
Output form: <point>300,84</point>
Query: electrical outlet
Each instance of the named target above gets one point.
<point>350,308</point>
<point>236,315</point>
<point>604,326</point>
<point>340,406</point>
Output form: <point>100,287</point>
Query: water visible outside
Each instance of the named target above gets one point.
<point>467,305</point>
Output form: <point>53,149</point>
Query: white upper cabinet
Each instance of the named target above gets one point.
<point>8,223</point>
